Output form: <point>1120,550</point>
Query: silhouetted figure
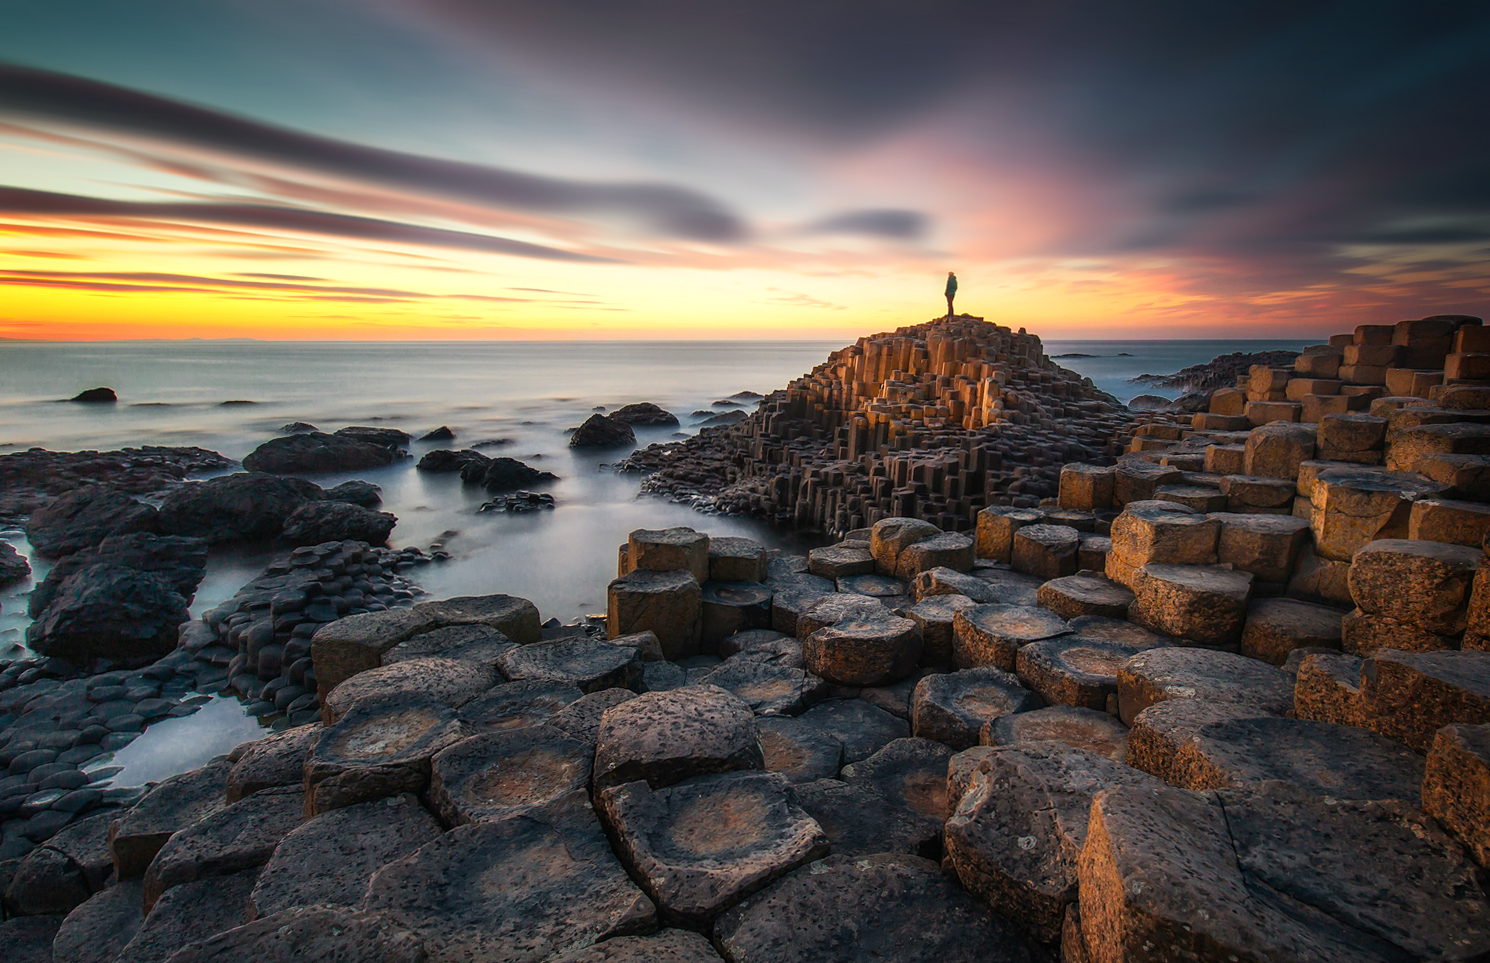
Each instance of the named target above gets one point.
<point>951,291</point>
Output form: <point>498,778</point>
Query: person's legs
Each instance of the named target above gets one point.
<point>949,305</point>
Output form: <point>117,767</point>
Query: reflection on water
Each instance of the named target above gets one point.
<point>177,745</point>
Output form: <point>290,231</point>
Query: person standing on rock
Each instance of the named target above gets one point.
<point>951,291</point>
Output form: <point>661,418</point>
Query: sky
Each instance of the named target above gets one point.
<point>811,169</point>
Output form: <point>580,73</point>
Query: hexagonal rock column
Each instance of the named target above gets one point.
<point>836,561</point>
<point>1018,830</point>
<point>97,930</point>
<point>1204,603</point>
<point>1247,494</point>
<point>471,643</point>
<point>1449,520</point>
<point>733,559</point>
<point>768,688</point>
<point>1180,673</point>
<point>934,615</point>
<point>1164,867</point>
<point>1045,551</point>
<point>730,607</point>
<point>1351,437</point>
<point>1409,696</point>
<point>1422,583</point>
<point>381,747</point>
<point>911,772</point>
<point>517,705</point>
<point>189,913</point>
<point>701,845</point>
<point>137,835</point>
<point>1134,480</point>
<point>799,750</point>
<point>1087,594</point>
<point>513,889</point>
<point>452,681</point>
<point>1275,627</point>
<point>804,917</point>
<point>343,648</point>
<point>937,582</point>
<point>996,528</point>
<point>502,774</point>
<point>891,536</point>
<point>863,651</point>
<point>1086,487</point>
<point>581,718</point>
<point>586,664</point>
<point>1084,729</point>
<point>1117,630</point>
<point>308,933</point>
<point>275,760</point>
<point>235,838</point>
<point>1141,535</point>
<point>1074,670</point>
<point>862,728</point>
<point>993,634</point>
<point>788,604</point>
<point>1456,785</point>
<point>1329,688</point>
<point>668,604</point>
<point>668,550</point>
<point>1275,451</point>
<point>859,820</point>
<point>328,860</point>
<point>953,707</point>
<point>1352,507</point>
<point>1265,545</point>
<point>667,946</point>
<point>1318,758</point>
<point>666,737</point>
<point>1161,730</point>
<point>947,550</point>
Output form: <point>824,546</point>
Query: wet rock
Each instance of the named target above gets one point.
<point>381,747</point>
<point>769,689</point>
<point>190,913</point>
<point>315,452</point>
<point>599,431</point>
<point>137,835</point>
<point>1270,754</point>
<point>99,929</point>
<point>560,886</point>
<point>247,506</point>
<point>238,837</point>
<point>862,728</point>
<point>84,517</point>
<point>863,651</point>
<point>361,493</point>
<point>453,682</point>
<point>502,774</point>
<point>509,474</point>
<point>644,413</point>
<point>95,396</point>
<point>799,750</point>
<point>667,946</point>
<point>1273,879</point>
<point>1085,729</point>
<point>822,913</point>
<point>335,521</point>
<point>1182,673</point>
<point>328,860</point>
<point>309,934</point>
<point>275,760</point>
<point>665,737</point>
<point>1018,830</point>
<point>517,705</point>
<point>701,845</point>
<point>911,772</point>
<point>1073,670</point>
<point>442,433</point>
<point>992,634</point>
<point>441,461</point>
<point>953,707</point>
<point>13,566</point>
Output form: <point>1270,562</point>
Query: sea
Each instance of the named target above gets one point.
<point>518,399</point>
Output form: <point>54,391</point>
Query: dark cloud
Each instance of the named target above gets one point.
<point>156,281</point>
<point>18,202</point>
<point>665,209</point>
<point>884,222</point>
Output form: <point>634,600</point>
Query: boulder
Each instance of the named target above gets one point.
<point>513,889</point>
<point>336,521</point>
<point>315,452</point>
<point>701,845</point>
<point>598,431</point>
<point>441,461</point>
<point>362,493</point>
<point>666,737</point>
<point>84,517</point>
<point>95,396</point>
<point>248,506</point>
<point>502,774</point>
<point>384,437</point>
<point>644,413</point>
<point>952,708</point>
<point>509,474</point>
<point>13,566</point>
<point>835,911</point>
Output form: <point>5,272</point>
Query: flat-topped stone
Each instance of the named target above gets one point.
<point>1423,583</point>
<point>1408,696</point>
<point>666,737</point>
<point>993,634</point>
<point>862,728</point>
<point>1160,731</point>
<point>701,845</point>
<point>1204,603</point>
<point>996,527</point>
<point>837,607</point>
<point>1117,630</point>
<point>666,946</point>
<point>585,663</point>
<point>952,550</point>
<point>473,643</point>
<point>516,705</point>
<point>910,772</point>
<point>1085,729</point>
<point>859,820</point>
<point>669,550</point>
<point>669,604</point>
<point>1074,670</point>
<point>735,559</point>
<point>581,718</point>
<point>1265,545</point>
<point>768,688</point>
<point>137,835</point>
<point>861,651</point>
<point>838,561</point>
<point>275,760</point>
<point>512,889</point>
<point>934,615</point>
<point>381,747</point>
<point>1085,593</point>
<point>502,774</point>
<point>308,934</point>
<point>1045,551</point>
<point>1277,626</point>
<point>799,750</point>
<point>952,708</point>
<point>1156,675</point>
<point>453,681</point>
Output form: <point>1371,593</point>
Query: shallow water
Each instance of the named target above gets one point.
<point>180,744</point>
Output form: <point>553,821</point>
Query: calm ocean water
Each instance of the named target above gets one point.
<point>529,392</point>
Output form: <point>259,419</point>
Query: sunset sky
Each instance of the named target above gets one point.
<point>595,169</point>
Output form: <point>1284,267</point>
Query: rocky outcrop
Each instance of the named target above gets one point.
<point>96,396</point>
<point>84,517</point>
<point>314,452</point>
<point>644,413</point>
<point>333,521</point>
<point>248,506</point>
<point>598,431</point>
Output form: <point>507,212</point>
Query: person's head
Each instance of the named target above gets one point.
<point>951,275</point>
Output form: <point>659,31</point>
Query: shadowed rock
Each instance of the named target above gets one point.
<point>190,913</point>
<point>862,651</point>
<point>315,452</point>
<point>84,517</point>
<point>1164,728</point>
<point>516,705</point>
<point>667,946</point>
<point>993,634</point>
<point>859,820</point>
<point>1178,673</point>
<point>598,431</point>
<point>1086,729</point>
<point>863,728</point>
<point>581,718</point>
<point>1073,670</point>
<point>911,772</point>
<point>644,413</point>
<point>799,750</point>
<point>238,837</point>
<point>953,707</point>
<point>248,506</point>
<point>309,934</point>
<point>98,930</point>
<point>276,760</point>
<point>336,521</point>
<point>503,774</point>
<point>666,737</point>
<point>137,835</point>
<point>769,689</point>
<point>381,747</point>
<point>587,664</point>
<point>453,682</point>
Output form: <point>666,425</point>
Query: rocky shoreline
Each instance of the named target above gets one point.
<point>1207,686</point>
